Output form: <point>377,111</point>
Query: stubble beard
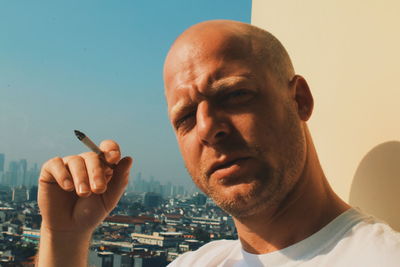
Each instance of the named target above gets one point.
<point>258,196</point>
<point>270,186</point>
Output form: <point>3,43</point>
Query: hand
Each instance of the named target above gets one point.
<point>77,192</point>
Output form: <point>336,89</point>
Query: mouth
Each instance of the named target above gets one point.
<point>227,167</point>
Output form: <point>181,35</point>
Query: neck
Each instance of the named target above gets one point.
<point>310,206</point>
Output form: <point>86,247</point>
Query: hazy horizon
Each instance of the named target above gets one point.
<point>94,66</point>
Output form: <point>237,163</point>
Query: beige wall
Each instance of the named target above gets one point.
<point>349,52</point>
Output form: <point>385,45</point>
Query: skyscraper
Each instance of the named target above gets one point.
<point>2,160</point>
<point>23,166</point>
<point>152,200</point>
<point>32,175</point>
<point>19,194</point>
<point>13,171</point>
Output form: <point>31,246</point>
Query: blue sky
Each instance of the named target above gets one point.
<point>95,66</point>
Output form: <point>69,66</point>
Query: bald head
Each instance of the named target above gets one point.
<point>230,40</point>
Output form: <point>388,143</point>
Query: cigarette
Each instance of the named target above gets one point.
<point>93,147</point>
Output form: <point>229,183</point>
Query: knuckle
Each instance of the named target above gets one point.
<point>51,162</point>
<point>44,176</point>
<point>88,155</point>
<point>96,171</point>
<point>80,174</point>
<point>72,158</point>
<point>54,160</point>
<point>46,172</point>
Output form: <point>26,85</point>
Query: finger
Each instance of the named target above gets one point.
<point>95,171</point>
<point>112,153</point>
<point>77,168</point>
<point>54,170</point>
<point>108,173</point>
<point>118,183</point>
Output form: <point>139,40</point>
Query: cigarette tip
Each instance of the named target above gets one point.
<point>79,134</point>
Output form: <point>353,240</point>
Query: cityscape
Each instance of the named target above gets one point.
<point>152,225</point>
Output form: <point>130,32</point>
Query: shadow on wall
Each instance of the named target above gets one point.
<point>376,184</point>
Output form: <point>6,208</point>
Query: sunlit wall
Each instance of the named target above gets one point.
<point>348,51</point>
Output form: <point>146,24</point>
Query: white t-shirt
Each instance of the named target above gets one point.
<point>352,239</point>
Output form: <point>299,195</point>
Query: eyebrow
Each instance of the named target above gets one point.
<point>228,82</point>
<point>182,105</point>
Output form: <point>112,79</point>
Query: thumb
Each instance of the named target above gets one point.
<point>111,150</point>
<point>118,183</point>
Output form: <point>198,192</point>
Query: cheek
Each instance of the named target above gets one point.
<point>190,154</point>
<point>250,127</point>
<point>262,131</point>
<point>269,123</point>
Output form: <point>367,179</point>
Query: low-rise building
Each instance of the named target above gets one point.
<point>206,221</point>
<point>172,219</point>
<point>190,245</point>
<point>128,221</point>
<point>31,235</point>
<point>163,239</point>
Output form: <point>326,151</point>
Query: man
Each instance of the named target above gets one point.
<point>239,112</point>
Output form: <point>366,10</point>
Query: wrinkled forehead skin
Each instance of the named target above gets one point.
<point>212,40</point>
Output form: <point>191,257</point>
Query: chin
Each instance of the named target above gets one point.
<point>244,196</point>
<point>240,208</point>
<point>240,200</point>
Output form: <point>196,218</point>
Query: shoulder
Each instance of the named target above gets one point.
<point>380,233</point>
<point>361,227</point>
<point>211,254</point>
<point>373,241</point>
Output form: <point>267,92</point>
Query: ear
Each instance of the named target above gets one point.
<point>302,96</point>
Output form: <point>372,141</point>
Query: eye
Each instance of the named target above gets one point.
<point>238,93</point>
<point>239,96</point>
<point>185,120</point>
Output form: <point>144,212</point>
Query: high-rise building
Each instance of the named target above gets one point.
<point>32,193</point>
<point>2,160</point>
<point>19,194</point>
<point>18,174</point>
<point>13,171</point>
<point>5,193</point>
<point>152,200</point>
<point>32,175</point>
<point>23,167</point>
<point>199,199</point>
<point>138,183</point>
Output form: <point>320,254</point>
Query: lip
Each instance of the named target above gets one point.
<point>224,164</point>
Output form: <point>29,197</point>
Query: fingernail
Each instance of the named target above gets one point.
<point>97,185</point>
<point>68,184</point>
<point>83,188</point>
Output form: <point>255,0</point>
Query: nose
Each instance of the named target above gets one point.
<point>212,127</point>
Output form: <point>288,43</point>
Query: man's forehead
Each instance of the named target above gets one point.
<point>227,46</point>
<point>200,51</point>
<point>205,70</point>
<point>208,41</point>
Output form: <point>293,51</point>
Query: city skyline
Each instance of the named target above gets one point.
<point>20,172</point>
<point>96,66</point>
<point>100,72</point>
